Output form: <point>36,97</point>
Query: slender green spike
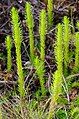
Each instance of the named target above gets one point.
<point>39,66</point>
<point>50,13</point>
<point>30,25</point>
<point>42,32</point>
<point>76,68</point>
<point>57,83</point>
<point>66,39</point>
<point>17,36</point>
<point>58,47</point>
<point>8,47</point>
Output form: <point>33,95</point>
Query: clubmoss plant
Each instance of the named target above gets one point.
<point>42,32</point>
<point>76,68</point>
<point>8,47</point>
<point>57,83</point>
<point>66,39</point>
<point>30,25</point>
<point>17,36</point>
<point>50,13</point>
<point>39,66</point>
<point>58,48</point>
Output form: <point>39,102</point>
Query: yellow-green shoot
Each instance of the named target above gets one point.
<point>57,83</point>
<point>17,36</point>
<point>50,13</point>
<point>9,58</point>
<point>66,39</point>
<point>30,25</point>
<point>42,33</point>
<point>76,68</point>
<point>39,66</point>
<point>58,47</point>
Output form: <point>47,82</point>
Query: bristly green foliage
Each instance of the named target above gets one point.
<point>8,47</point>
<point>66,39</point>
<point>58,47</point>
<point>17,36</point>
<point>30,25</point>
<point>57,83</point>
<point>59,60</point>
<point>76,68</point>
<point>50,13</point>
<point>39,66</point>
<point>42,32</point>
